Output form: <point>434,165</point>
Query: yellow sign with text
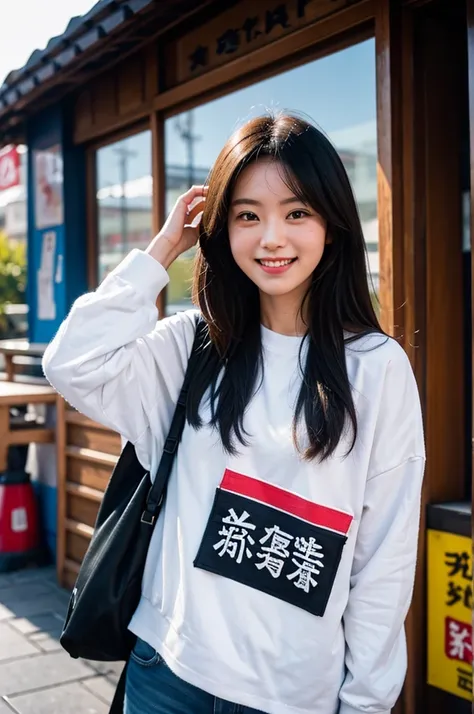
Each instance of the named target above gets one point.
<point>450,613</point>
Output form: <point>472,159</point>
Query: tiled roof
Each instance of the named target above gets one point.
<point>81,34</point>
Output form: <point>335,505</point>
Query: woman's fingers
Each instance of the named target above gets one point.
<point>195,193</point>
<point>181,226</point>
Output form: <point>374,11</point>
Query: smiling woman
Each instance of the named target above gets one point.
<point>295,499</point>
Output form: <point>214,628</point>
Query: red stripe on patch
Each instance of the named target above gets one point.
<point>286,501</point>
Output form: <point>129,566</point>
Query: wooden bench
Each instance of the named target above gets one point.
<point>19,354</point>
<point>16,394</point>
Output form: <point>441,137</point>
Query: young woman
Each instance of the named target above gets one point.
<point>281,568</point>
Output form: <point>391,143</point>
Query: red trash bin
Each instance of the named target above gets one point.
<point>19,522</point>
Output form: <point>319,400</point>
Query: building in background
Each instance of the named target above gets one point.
<point>130,107</point>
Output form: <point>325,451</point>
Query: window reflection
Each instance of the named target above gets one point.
<point>337,92</point>
<point>124,199</point>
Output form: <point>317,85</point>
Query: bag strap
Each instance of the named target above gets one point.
<point>157,491</point>
<point>119,697</point>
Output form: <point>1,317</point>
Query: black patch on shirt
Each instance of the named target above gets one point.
<point>270,550</point>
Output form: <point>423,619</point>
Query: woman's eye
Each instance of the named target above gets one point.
<point>247,216</point>
<point>298,214</point>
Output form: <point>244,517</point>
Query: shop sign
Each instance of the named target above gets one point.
<point>246,27</point>
<point>450,613</point>
<point>9,168</point>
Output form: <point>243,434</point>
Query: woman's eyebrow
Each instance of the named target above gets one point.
<point>253,202</point>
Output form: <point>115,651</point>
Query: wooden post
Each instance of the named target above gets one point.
<point>470,60</point>
<point>440,92</point>
<point>419,128</point>
<point>159,186</point>
<point>61,489</point>
<point>4,429</point>
<point>9,368</point>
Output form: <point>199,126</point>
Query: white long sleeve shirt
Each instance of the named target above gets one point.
<point>273,582</point>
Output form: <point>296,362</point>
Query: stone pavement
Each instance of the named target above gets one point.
<point>36,675</point>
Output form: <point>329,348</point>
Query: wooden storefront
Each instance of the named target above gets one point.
<point>424,104</point>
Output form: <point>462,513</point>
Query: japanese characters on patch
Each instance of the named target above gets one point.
<point>274,541</point>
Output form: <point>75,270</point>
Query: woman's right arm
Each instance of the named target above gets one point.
<point>112,359</point>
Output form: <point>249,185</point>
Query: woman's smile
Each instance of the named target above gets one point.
<point>276,266</point>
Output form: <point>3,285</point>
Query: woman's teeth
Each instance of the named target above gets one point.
<point>276,263</point>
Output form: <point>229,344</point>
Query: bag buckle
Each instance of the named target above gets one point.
<point>147,518</point>
<point>171,444</point>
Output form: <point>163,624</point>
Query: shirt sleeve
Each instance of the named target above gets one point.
<point>385,553</point>
<point>115,362</point>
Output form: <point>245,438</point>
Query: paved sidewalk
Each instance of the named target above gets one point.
<point>36,675</point>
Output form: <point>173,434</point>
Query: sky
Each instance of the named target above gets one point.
<point>27,25</point>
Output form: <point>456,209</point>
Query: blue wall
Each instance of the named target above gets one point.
<point>53,128</point>
<point>48,129</point>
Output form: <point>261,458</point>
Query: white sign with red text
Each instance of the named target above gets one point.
<point>9,168</point>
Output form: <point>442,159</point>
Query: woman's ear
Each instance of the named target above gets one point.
<point>328,239</point>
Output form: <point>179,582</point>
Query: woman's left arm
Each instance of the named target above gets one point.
<point>385,555</point>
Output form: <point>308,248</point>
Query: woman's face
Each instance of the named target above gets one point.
<point>276,239</point>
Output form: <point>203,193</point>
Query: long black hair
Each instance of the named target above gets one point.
<point>338,298</point>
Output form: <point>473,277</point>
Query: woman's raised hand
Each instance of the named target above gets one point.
<point>180,232</point>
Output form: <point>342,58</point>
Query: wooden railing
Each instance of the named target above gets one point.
<point>87,453</point>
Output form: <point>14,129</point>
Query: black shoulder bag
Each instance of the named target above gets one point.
<point>108,586</point>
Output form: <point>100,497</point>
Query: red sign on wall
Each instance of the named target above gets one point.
<point>458,640</point>
<point>9,168</point>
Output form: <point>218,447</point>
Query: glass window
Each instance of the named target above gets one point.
<point>124,199</point>
<point>337,92</point>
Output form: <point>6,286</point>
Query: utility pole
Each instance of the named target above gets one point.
<point>124,155</point>
<point>185,128</point>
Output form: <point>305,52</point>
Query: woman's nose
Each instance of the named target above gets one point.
<point>273,236</point>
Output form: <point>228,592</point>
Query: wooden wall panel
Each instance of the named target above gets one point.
<point>81,510</point>
<point>76,546</point>
<point>83,115</point>
<point>444,92</point>
<point>105,99</point>
<point>440,100</point>
<point>89,437</point>
<point>117,98</point>
<point>86,455</point>
<point>131,84</point>
<point>69,575</point>
<point>86,473</point>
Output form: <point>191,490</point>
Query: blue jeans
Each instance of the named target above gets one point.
<point>152,688</point>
